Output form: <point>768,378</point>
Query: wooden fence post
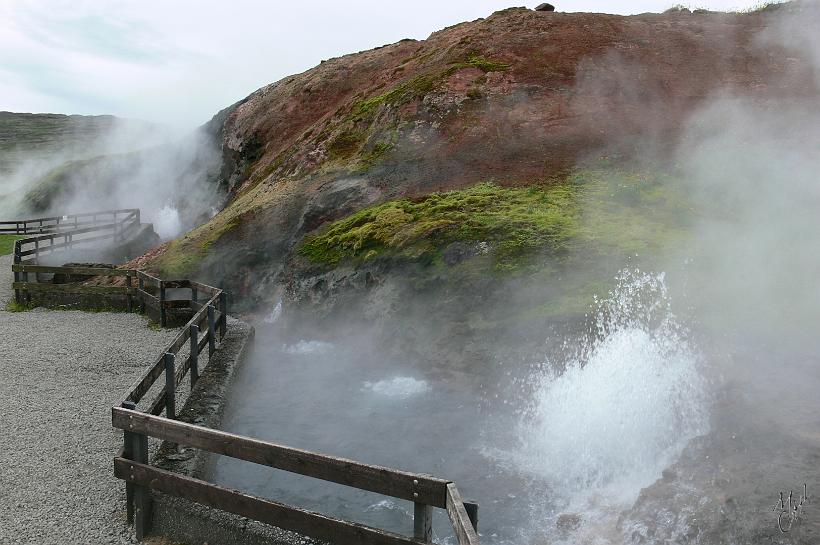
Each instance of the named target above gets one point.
<point>170,387</point>
<point>472,511</point>
<point>141,285</point>
<point>128,297</point>
<point>194,334</point>
<point>28,293</point>
<point>162,319</point>
<point>128,453</point>
<point>423,522</point>
<point>223,318</point>
<point>211,331</point>
<point>142,495</point>
<point>17,259</point>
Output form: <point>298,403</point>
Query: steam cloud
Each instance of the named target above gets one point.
<point>170,177</point>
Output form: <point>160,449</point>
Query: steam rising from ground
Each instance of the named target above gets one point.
<point>167,223</point>
<point>170,177</point>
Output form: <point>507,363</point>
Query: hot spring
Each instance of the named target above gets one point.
<point>612,439</point>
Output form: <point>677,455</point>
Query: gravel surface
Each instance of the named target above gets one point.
<point>6,278</point>
<point>60,373</point>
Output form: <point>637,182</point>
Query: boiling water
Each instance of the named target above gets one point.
<point>604,422</point>
<point>167,222</point>
<point>571,449</point>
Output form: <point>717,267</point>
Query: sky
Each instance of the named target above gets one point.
<point>179,62</point>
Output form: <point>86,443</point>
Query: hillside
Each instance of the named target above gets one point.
<point>37,149</point>
<point>487,184</point>
<point>24,135</point>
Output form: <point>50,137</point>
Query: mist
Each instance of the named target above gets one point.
<point>171,176</point>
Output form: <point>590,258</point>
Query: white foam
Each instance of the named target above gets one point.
<point>275,314</point>
<point>398,387</point>
<point>308,347</point>
<point>625,406</point>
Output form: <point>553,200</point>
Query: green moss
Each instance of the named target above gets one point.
<point>419,86</point>
<point>345,145</point>
<point>514,221</point>
<point>485,65</point>
<point>413,89</point>
<point>374,156</point>
<point>14,306</point>
<point>183,256</point>
<point>584,216</point>
<point>7,243</point>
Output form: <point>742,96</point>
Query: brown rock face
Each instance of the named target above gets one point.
<point>517,97</point>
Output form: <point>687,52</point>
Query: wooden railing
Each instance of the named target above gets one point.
<point>209,322</point>
<point>70,222</point>
<point>132,465</point>
<point>60,235</point>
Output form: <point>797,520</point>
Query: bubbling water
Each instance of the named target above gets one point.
<point>626,404</point>
<point>167,222</point>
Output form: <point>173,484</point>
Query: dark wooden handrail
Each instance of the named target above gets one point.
<point>390,482</point>
<point>67,223</point>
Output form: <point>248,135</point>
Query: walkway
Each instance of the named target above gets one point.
<point>60,373</point>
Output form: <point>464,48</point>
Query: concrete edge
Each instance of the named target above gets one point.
<point>183,521</point>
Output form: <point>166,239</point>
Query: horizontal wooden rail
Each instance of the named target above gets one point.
<point>382,480</point>
<point>176,284</point>
<point>70,222</point>
<point>72,288</point>
<point>304,522</point>
<point>152,280</point>
<point>82,271</point>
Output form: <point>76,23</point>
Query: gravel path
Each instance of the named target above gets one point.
<point>60,373</point>
<point>6,278</point>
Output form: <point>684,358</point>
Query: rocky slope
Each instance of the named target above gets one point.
<point>520,98</point>
<point>466,193</point>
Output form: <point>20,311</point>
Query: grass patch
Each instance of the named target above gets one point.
<point>485,65</point>
<point>154,326</point>
<point>401,94</point>
<point>419,86</point>
<point>7,243</point>
<point>184,256</point>
<point>14,306</point>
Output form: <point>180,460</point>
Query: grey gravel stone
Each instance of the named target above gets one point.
<point>60,373</point>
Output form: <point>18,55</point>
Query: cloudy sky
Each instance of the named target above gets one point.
<point>180,61</point>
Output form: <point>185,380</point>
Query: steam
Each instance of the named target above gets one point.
<point>167,223</point>
<point>170,177</point>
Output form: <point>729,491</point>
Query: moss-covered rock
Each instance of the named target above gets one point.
<point>593,211</point>
<point>568,236</point>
